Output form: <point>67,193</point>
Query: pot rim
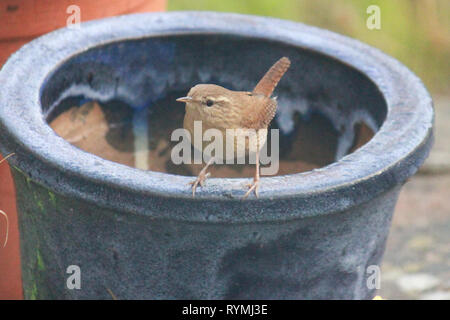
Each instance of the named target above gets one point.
<point>394,153</point>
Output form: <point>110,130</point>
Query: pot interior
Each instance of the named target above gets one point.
<point>117,100</point>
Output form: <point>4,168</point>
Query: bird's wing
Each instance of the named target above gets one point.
<point>260,116</point>
<point>270,80</point>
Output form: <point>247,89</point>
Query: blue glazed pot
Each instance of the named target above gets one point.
<point>140,234</point>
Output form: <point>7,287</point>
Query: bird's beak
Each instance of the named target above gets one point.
<point>184,99</point>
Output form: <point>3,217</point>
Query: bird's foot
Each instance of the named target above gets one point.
<point>202,176</point>
<point>253,187</point>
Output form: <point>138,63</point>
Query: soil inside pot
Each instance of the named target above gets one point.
<point>141,138</point>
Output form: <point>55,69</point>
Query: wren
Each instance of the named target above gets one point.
<point>219,108</point>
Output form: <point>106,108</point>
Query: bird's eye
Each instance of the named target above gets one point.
<point>209,102</point>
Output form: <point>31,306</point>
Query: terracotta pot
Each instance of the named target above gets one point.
<point>10,275</point>
<point>20,22</point>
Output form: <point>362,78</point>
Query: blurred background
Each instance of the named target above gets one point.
<point>416,32</point>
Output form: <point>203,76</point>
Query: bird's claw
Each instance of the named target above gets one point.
<point>199,181</point>
<point>253,187</point>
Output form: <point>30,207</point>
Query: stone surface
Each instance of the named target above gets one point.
<point>416,282</point>
<point>436,295</point>
<point>439,160</point>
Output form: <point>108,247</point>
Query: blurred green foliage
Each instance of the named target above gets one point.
<point>416,32</point>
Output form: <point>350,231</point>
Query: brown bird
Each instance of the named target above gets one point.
<point>219,108</point>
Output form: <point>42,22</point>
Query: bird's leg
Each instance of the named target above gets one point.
<point>255,185</point>
<point>201,177</point>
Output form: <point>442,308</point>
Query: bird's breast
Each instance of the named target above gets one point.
<point>227,143</point>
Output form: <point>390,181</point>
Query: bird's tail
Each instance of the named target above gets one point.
<point>270,80</point>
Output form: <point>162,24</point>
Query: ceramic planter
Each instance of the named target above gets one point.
<point>140,234</point>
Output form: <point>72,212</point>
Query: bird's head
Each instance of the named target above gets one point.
<point>208,97</point>
<point>213,103</point>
